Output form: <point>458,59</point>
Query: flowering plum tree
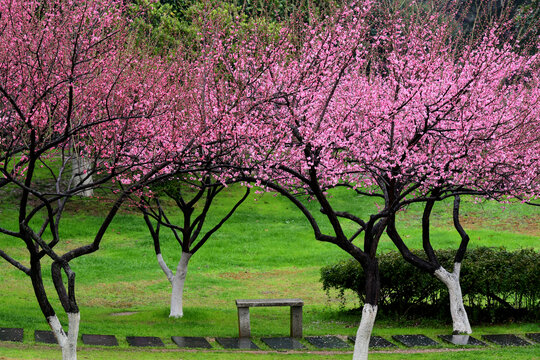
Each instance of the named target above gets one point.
<point>458,122</point>
<point>70,86</point>
<point>212,93</point>
<point>404,111</point>
<point>294,135</point>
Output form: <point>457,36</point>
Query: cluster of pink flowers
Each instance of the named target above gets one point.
<point>363,104</point>
<point>405,105</point>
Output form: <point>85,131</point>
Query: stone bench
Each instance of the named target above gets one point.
<point>244,327</point>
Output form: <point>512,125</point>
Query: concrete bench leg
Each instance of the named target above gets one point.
<point>296,321</point>
<point>244,328</point>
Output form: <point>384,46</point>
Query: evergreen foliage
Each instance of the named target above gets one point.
<point>497,284</point>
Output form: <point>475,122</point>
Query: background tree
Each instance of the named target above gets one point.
<point>211,100</point>
<point>194,196</point>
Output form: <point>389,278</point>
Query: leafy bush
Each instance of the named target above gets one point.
<point>497,284</point>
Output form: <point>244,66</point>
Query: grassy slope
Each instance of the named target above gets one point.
<point>266,250</point>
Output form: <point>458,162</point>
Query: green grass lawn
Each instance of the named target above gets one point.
<point>49,353</point>
<point>266,250</point>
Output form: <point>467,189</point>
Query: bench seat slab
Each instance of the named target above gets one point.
<point>269,302</point>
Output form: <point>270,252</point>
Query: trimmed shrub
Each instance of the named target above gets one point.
<point>497,284</point>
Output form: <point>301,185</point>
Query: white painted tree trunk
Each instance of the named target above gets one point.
<point>460,319</point>
<point>165,268</point>
<point>68,343</point>
<point>178,286</point>
<point>363,335</point>
<point>80,168</point>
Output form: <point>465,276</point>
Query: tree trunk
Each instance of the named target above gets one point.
<point>68,343</point>
<point>363,335</point>
<point>178,286</point>
<point>80,168</point>
<point>460,319</point>
<point>369,312</point>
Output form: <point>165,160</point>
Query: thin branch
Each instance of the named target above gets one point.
<point>10,233</point>
<point>215,228</point>
<point>404,250</point>
<point>460,254</point>
<point>14,262</point>
<point>157,247</point>
<point>199,221</point>
<point>167,223</point>
<point>351,217</point>
<point>314,225</point>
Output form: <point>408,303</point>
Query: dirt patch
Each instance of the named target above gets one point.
<point>248,275</point>
<point>124,295</point>
<point>529,225</point>
<point>125,313</point>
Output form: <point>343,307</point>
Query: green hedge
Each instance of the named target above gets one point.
<point>497,284</point>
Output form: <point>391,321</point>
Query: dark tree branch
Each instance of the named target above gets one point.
<point>39,288</point>
<point>199,220</point>
<point>199,194</point>
<point>153,232</point>
<point>460,254</point>
<point>167,223</point>
<point>215,228</point>
<point>94,246</point>
<point>67,298</point>
<point>404,250</point>
<point>14,262</point>
<point>349,216</point>
<point>13,103</point>
<point>356,234</point>
<point>343,243</point>
<point>294,173</point>
<point>378,229</point>
<point>314,225</point>
<point>10,233</point>
<point>426,240</point>
<point>327,208</point>
<point>28,180</point>
<point>360,192</point>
